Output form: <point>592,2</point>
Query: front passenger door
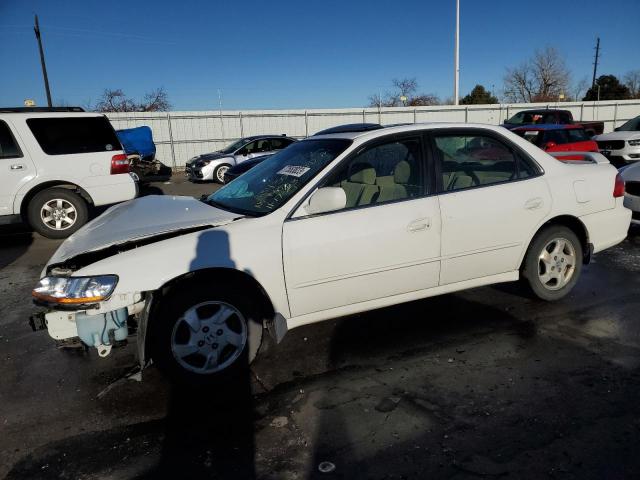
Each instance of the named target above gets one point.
<point>385,242</point>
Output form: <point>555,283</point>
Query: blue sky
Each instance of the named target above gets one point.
<point>295,54</point>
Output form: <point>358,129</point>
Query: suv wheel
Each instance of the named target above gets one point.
<point>553,263</point>
<point>218,173</point>
<point>57,212</point>
<point>200,335</point>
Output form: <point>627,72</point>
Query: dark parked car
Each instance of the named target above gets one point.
<point>239,169</point>
<point>550,116</point>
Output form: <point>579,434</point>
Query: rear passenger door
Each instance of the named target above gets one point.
<point>385,242</point>
<point>492,197</point>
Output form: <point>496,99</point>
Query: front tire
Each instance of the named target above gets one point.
<point>553,263</point>
<point>200,335</point>
<point>57,212</point>
<point>220,170</point>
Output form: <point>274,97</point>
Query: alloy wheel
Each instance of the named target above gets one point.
<point>556,263</point>
<point>58,214</point>
<point>209,337</point>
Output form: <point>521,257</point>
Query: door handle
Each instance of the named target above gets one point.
<point>17,166</point>
<point>533,203</point>
<point>419,225</point>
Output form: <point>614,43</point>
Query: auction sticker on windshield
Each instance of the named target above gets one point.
<point>294,170</point>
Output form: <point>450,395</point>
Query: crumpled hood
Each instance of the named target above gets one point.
<point>617,136</point>
<point>138,219</point>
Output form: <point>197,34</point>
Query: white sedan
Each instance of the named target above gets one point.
<point>333,225</point>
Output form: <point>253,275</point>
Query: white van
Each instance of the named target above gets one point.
<point>55,162</point>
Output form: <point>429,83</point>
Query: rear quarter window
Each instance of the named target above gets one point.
<point>64,136</point>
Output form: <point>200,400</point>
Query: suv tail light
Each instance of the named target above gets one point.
<point>618,187</point>
<point>119,164</point>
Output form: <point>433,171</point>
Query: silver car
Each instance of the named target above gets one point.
<point>213,166</point>
<point>631,177</point>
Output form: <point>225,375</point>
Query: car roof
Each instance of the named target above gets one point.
<point>404,128</point>
<point>275,135</point>
<point>541,110</point>
<point>350,127</point>
<point>549,126</point>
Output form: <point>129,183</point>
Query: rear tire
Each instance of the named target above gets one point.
<point>200,335</point>
<point>553,263</point>
<point>57,212</point>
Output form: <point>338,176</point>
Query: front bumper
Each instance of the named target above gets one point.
<point>627,154</point>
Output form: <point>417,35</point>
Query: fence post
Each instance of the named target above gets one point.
<point>415,117</point>
<point>581,111</point>
<point>306,124</point>
<point>173,152</point>
<point>363,116</point>
<point>241,125</point>
<point>466,114</point>
<point>615,115</point>
<point>507,117</point>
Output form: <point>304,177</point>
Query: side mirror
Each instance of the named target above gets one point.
<point>549,145</point>
<point>327,199</point>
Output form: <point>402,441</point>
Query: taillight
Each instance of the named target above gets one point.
<point>119,164</point>
<point>618,187</point>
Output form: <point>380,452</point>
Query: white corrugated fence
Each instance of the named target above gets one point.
<point>182,135</point>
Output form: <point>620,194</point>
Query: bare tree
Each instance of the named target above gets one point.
<point>542,78</point>
<point>403,87</point>
<point>579,89</point>
<point>632,81</point>
<point>117,101</point>
<point>424,100</point>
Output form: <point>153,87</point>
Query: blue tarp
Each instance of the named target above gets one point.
<point>137,140</point>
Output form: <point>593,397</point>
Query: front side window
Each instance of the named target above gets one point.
<point>63,136</point>
<point>8,146</point>
<point>263,145</point>
<point>382,173</point>
<point>476,160</point>
<point>268,185</point>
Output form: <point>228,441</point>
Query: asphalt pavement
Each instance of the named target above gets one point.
<point>486,383</point>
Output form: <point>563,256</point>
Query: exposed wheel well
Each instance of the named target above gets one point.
<point>45,185</point>
<point>577,227</point>
<point>240,279</point>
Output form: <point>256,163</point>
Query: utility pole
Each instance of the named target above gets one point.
<point>595,63</point>
<point>456,74</point>
<point>36,29</point>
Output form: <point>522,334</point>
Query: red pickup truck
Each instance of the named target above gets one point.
<point>551,116</point>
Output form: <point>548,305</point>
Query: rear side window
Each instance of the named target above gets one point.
<point>279,143</point>
<point>64,136</point>
<point>476,160</point>
<point>558,137</point>
<point>8,146</point>
<point>577,135</point>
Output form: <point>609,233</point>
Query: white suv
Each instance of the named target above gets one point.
<point>56,162</point>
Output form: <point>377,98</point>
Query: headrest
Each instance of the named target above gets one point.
<point>402,172</point>
<point>364,174</point>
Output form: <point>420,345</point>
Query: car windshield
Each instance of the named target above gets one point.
<point>270,184</point>
<point>632,125</point>
<point>234,146</point>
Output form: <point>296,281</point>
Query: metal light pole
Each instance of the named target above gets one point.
<point>456,82</point>
<point>36,29</point>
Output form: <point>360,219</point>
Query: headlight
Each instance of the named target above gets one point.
<point>75,290</point>
<point>634,143</point>
<point>205,162</point>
